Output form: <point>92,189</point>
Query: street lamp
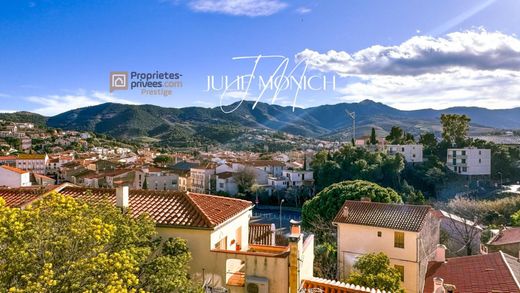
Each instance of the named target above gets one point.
<point>500,173</point>
<point>281,202</point>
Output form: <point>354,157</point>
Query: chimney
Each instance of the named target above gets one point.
<point>295,244</point>
<point>438,285</point>
<point>122,197</point>
<point>295,228</point>
<point>366,199</point>
<point>440,253</point>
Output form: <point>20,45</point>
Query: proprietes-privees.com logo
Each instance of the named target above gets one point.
<point>158,83</point>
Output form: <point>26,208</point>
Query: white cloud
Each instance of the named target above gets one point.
<point>56,104</point>
<point>470,68</point>
<point>250,8</point>
<point>476,49</point>
<point>303,10</point>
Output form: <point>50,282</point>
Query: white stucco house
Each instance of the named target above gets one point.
<point>14,177</point>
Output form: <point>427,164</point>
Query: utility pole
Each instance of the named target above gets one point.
<point>352,115</point>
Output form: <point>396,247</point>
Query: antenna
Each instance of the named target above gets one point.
<point>353,116</point>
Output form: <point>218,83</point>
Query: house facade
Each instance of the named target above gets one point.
<point>407,234</point>
<point>14,177</point>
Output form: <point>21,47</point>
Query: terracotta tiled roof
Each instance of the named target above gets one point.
<point>31,157</point>
<point>506,236</point>
<point>14,169</point>
<point>218,209</point>
<point>7,158</point>
<point>19,197</point>
<point>264,163</point>
<point>336,286</point>
<point>476,274</point>
<point>385,215</point>
<point>262,234</point>
<point>170,208</point>
<point>225,175</point>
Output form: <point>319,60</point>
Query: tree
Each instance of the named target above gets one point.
<point>373,270</point>
<point>373,138</point>
<point>396,135</point>
<point>515,219</point>
<point>58,244</point>
<point>326,260</point>
<point>145,183</point>
<point>162,160</point>
<point>245,179</point>
<point>455,128</point>
<point>429,142</point>
<point>326,204</point>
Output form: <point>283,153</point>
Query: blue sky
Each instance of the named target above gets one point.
<point>57,55</point>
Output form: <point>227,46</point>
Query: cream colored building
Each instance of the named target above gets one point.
<point>217,231</point>
<point>407,234</point>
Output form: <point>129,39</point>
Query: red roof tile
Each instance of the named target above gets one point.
<point>19,197</point>
<point>506,236</point>
<point>170,208</point>
<point>14,169</point>
<point>385,215</point>
<point>476,274</point>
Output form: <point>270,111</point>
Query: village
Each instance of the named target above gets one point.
<point>214,201</point>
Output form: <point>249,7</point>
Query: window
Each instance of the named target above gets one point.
<point>379,233</point>
<point>454,162</point>
<point>401,271</point>
<point>399,239</point>
<point>463,161</point>
<point>463,153</point>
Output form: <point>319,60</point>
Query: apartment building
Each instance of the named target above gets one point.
<point>412,153</point>
<point>407,234</point>
<point>35,163</point>
<point>469,161</point>
<point>201,178</point>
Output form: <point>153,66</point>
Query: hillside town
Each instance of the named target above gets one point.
<point>218,201</point>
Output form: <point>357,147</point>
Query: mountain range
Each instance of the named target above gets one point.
<point>325,121</point>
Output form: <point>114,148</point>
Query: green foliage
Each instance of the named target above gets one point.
<point>515,218</point>
<point>162,160</point>
<point>58,244</point>
<point>455,128</point>
<point>396,135</point>
<point>373,138</point>
<point>373,270</point>
<point>326,260</point>
<point>326,204</point>
<point>352,163</point>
